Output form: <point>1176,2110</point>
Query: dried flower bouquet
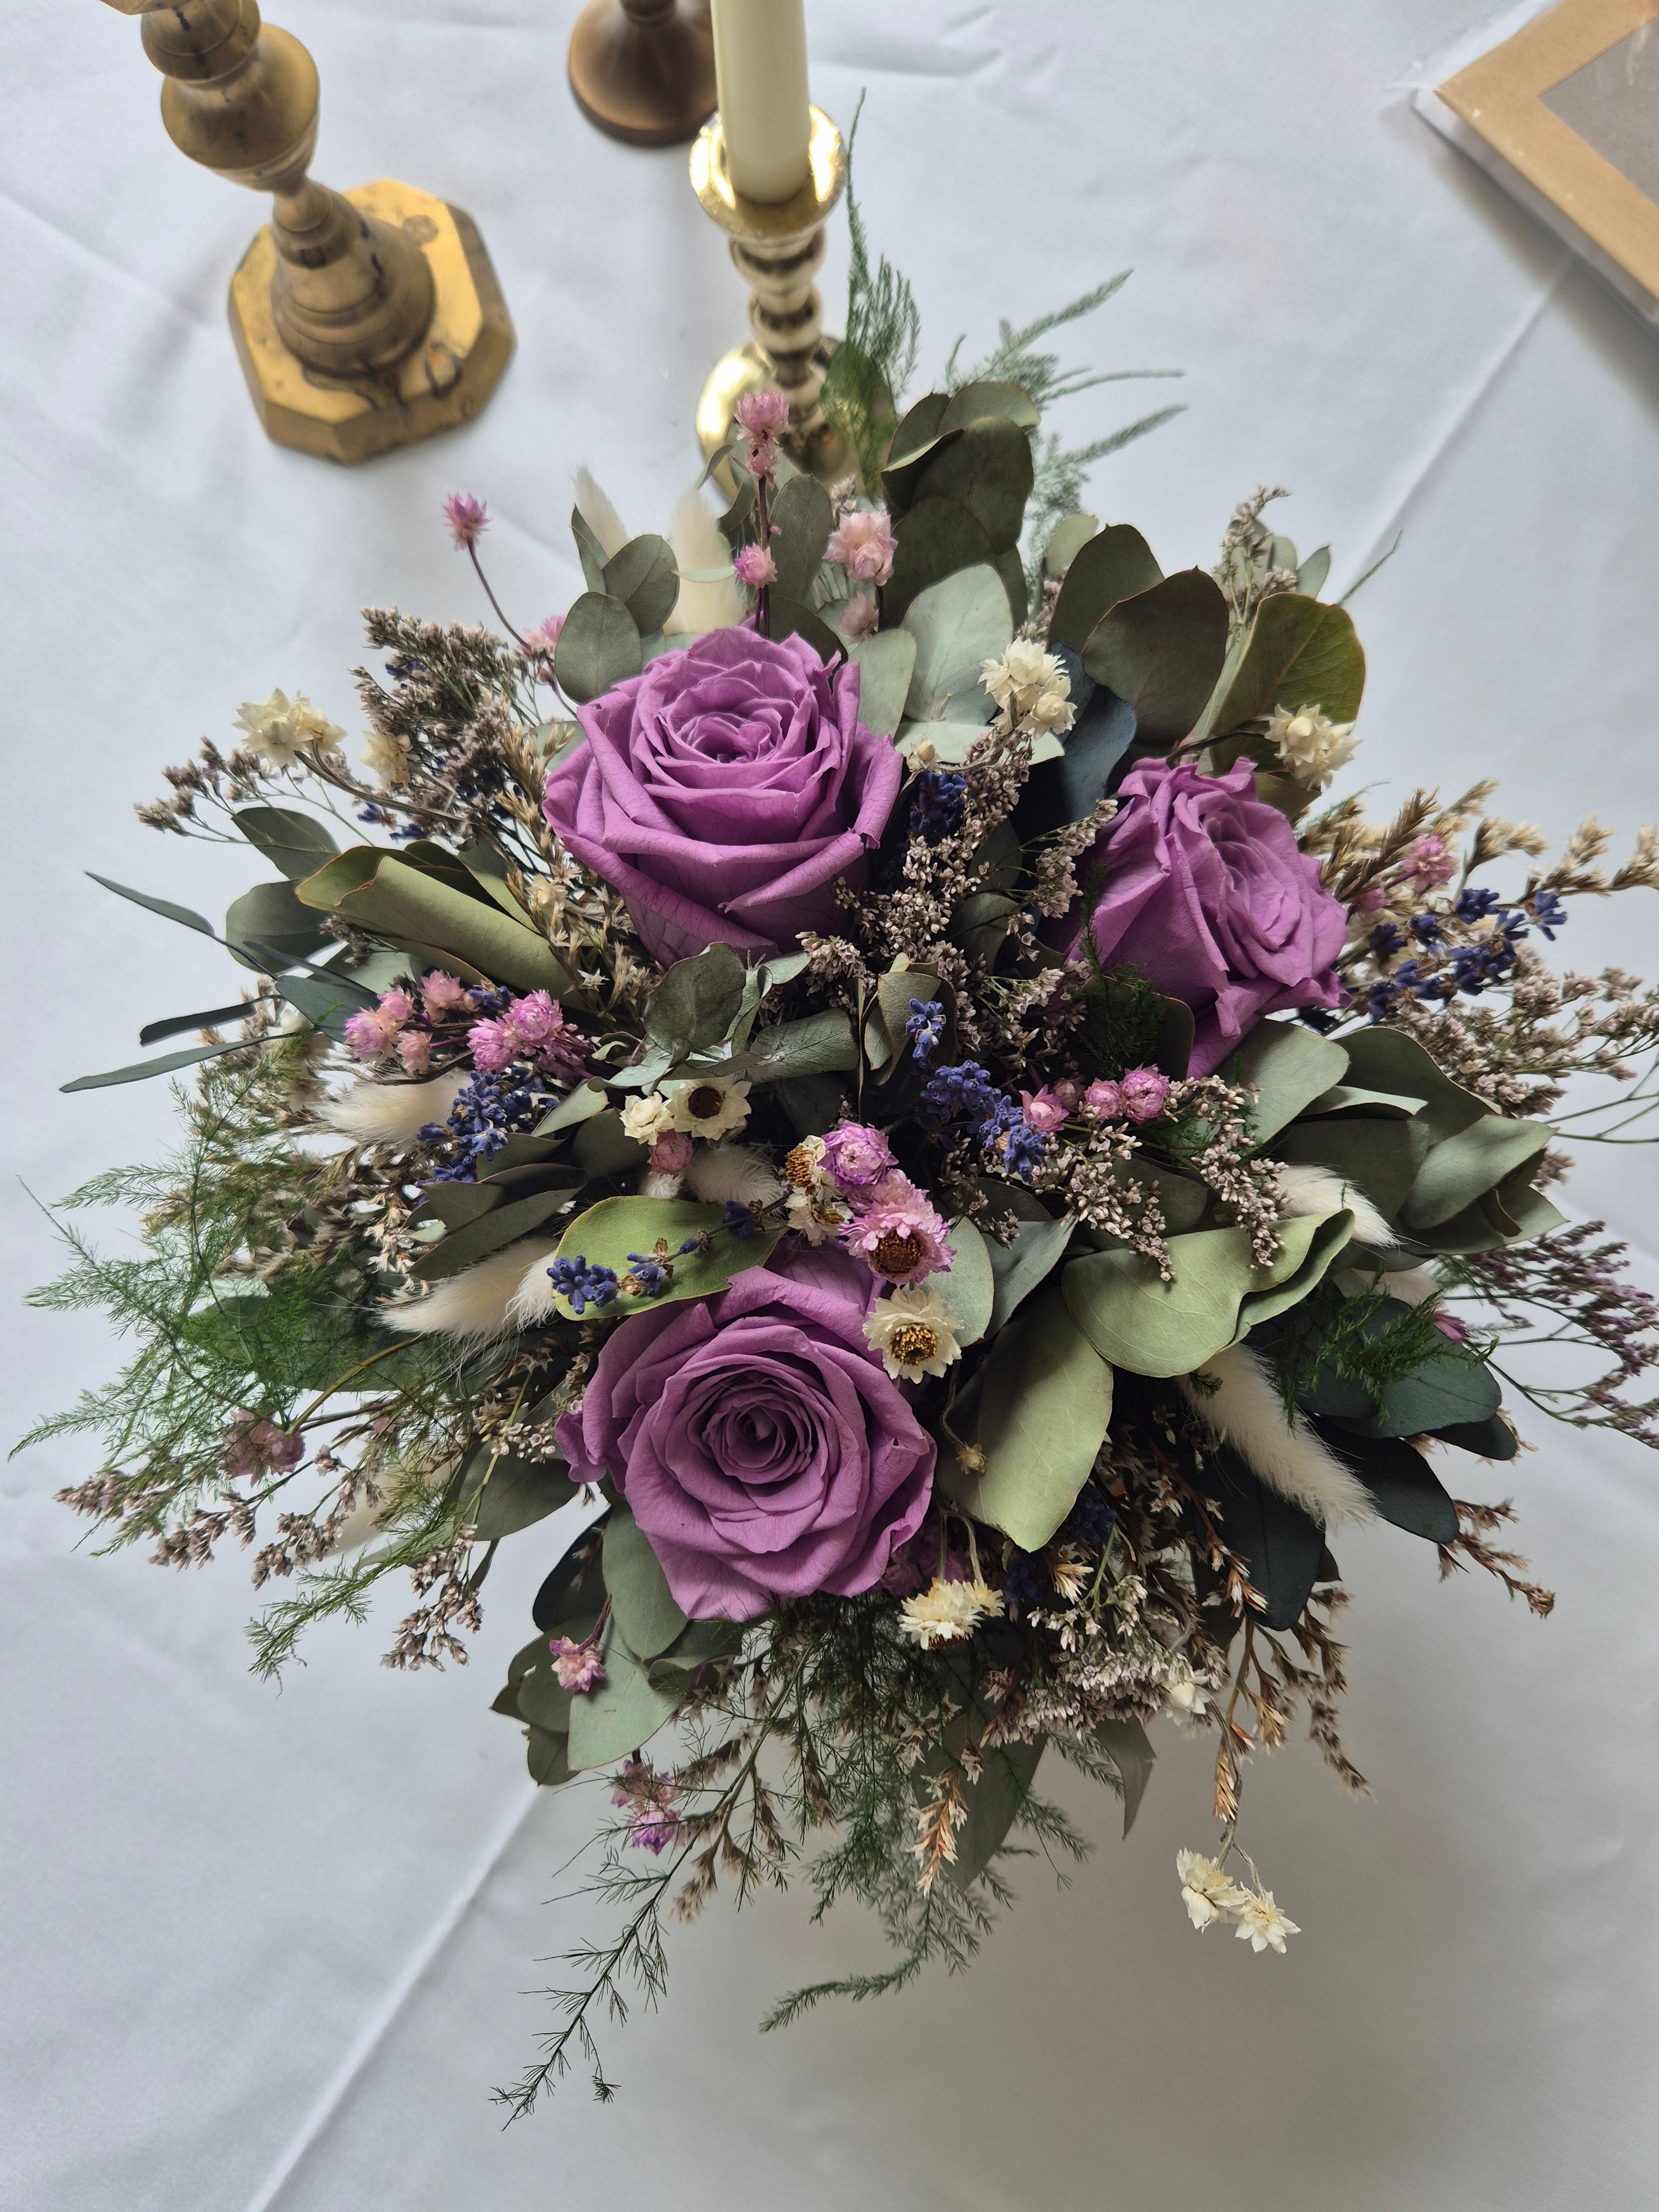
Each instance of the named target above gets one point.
<point>860,1094</point>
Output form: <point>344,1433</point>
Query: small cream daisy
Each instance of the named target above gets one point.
<point>712,1107</point>
<point>818,1214</point>
<point>1311,745</point>
<point>645,1119</point>
<point>947,1613</point>
<point>1031,686</point>
<point>911,1329</point>
<point>281,730</point>
<point>1205,1891</point>
<point>1188,1701</point>
<point>387,758</point>
<point>1261,1924</point>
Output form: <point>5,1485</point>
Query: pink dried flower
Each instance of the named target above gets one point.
<point>577,1666</point>
<point>546,635</point>
<point>763,414</point>
<point>262,1448</point>
<point>415,1050</point>
<point>1070,1094</point>
<point>399,1004</point>
<point>1146,1093</point>
<point>859,617</point>
<point>1454,1330</point>
<point>671,1152</point>
<point>898,1233</point>
<point>1370,901</point>
<point>494,1045</point>
<point>535,1017</point>
<point>856,1156</point>
<point>371,1032</point>
<point>864,543</point>
<point>1105,1099</point>
<point>443,995</point>
<point>648,1800</point>
<point>468,520</point>
<point>1429,863</point>
<point>754,566</point>
<point>1043,1111</point>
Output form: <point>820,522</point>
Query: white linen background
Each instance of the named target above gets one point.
<point>270,1949</point>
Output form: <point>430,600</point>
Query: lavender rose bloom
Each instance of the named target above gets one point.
<point>758,1439</point>
<point>1206,893</point>
<point>724,791</point>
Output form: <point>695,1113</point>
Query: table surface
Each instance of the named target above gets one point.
<point>273,1948</point>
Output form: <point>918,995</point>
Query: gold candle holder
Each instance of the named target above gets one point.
<point>364,320</point>
<point>643,70</point>
<point>778,248</point>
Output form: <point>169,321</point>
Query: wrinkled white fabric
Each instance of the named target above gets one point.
<point>268,1949</point>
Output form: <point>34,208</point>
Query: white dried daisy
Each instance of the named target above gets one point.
<point>387,758</point>
<point>1261,1924</point>
<point>282,731</point>
<point>645,1119</point>
<point>947,1613</point>
<point>713,1107</point>
<point>1205,1891</point>
<point>1311,745</point>
<point>1187,1703</point>
<point>911,1329</point>
<point>818,1213</point>
<point>1031,686</point>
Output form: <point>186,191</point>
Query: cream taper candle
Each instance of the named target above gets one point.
<point>760,65</point>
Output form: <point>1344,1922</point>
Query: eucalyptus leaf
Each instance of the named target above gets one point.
<point>956,625</point>
<point>389,896</point>
<point>700,1643</point>
<point>989,471</point>
<point>510,1493</point>
<point>326,1006</point>
<point>802,519</point>
<point>586,1100</point>
<point>1301,653</point>
<point>1068,541</point>
<point>623,1712</point>
<point>1162,651</point>
<point>643,1606</point>
<point>644,576</point>
<point>548,1758</point>
<point>1288,1067</point>
<point>1311,573</point>
<point>789,617</point>
<point>165,907</point>
<point>589,551</point>
<point>1039,1246</point>
<point>952,741</point>
<point>994,1802</point>
<point>886,663</point>
<point>176,1025</point>
<point>605,1233</point>
<point>1117,563</point>
<point>1464,1167</point>
<point>1043,1411</point>
<point>1129,1748</point>
<point>296,843</point>
<point>1403,1487</point>
<point>936,540</point>
<point>986,397</point>
<point>603,1147</point>
<point>142,1070</point>
<point>1136,1321</point>
<point>967,1285</point>
<point>599,648</point>
<point>1282,1546</point>
<point>697,1001</point>
<point>491,1232</point>
<point>543,1700</point>
<point>817,1044</point>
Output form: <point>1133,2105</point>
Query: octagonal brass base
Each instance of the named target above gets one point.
<point>446,380</point>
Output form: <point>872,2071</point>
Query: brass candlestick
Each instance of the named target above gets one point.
<point>364,320</point>
<point>779,249</point>
<point>643,70</point>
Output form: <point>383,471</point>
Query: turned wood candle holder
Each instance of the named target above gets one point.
<point>643,70</point>
<point>364,320</point>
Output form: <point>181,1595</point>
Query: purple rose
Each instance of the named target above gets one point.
<point>724,791</point>
<point>1206,893</point>
<point>758,1439</point>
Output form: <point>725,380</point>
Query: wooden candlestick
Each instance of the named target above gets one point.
<point>364,320</point>
<point>778,248</point>
<point>643,70</point>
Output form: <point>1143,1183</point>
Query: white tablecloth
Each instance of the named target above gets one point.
<point>269,1949</point>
